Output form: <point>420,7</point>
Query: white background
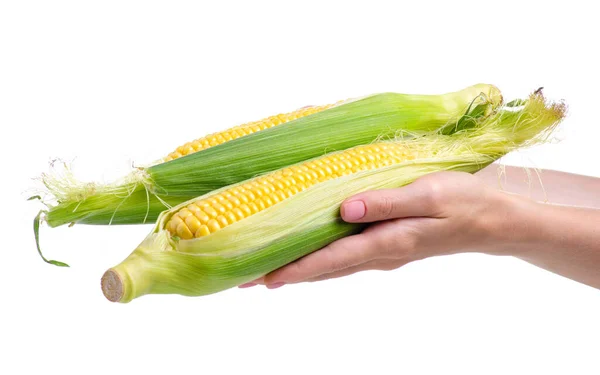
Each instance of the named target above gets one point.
<point>108,83</point>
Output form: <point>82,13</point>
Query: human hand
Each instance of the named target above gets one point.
<point>439,214</point>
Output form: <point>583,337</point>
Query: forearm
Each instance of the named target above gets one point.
<point>561,239</point>
<point>547,186</point>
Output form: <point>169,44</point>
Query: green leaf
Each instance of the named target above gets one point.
<point>36,233</point>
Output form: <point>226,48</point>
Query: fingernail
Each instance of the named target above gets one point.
<point>275,285</point>
<point>354,210</point>
<point>247,285</point>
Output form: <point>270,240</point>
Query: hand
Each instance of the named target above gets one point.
<point>439,214</point>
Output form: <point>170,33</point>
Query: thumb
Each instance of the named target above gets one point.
<point>414,200</point>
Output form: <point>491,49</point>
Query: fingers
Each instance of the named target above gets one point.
<point>382,241</point>
<point>379,246</point>
<point>379,265</point>
<point>339,255</point>
<point>348,271</point>
<point>421,198</point>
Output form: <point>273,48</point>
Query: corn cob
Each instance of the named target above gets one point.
<point>205,216</point>
<point>241,232</point>
<point>242,130</point>
<point>140,197</point>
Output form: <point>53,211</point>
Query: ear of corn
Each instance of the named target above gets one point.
<point>182,256</point>
<point>217,211</point>
<point>241,131</point>
<point>140,197</point>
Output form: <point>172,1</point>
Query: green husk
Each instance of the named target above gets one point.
<point>141,196</point>
<point>310,220</point>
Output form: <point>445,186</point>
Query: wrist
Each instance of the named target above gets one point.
<point>511,224</point>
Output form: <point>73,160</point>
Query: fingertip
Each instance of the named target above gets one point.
<point>274,277</point>
<point>275,285</point>
<point>353,211</point>
<point>290,273</point>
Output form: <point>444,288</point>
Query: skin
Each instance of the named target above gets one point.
<point>555,226</point>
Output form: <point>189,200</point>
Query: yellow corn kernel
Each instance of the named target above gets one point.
<point>219,208</point>
<point>236,201</point>
<point>222,221</point>
<point>249,195</point>
<point>173,223</point>
<point>213,225</point>
<point>261,205</point>
<point>211,212</point>
<point>183,213</point>
<point>228,205</point>
<point>267,201</point>
<point>202,231</point>
<point>184,232</point>
<point>192,223</point>
<point>280,194</point>
<point>253,207</point>
<point>231,217</point>
<point>239,214</point>
<point>202,216</point>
